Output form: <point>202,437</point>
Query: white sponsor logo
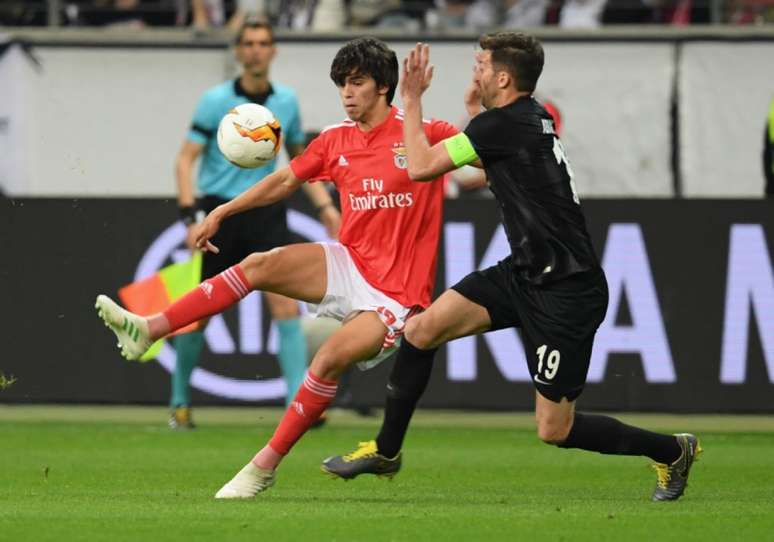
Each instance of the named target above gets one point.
<point>343,161</point>
<point>374,197</point>
<point>391,200</point>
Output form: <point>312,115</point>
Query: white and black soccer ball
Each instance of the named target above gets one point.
<point>249,135</point>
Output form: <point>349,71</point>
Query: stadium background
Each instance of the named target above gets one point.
<point>659,124</point>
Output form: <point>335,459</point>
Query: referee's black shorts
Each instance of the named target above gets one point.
<point>256,230</point>
<point>557,321</point>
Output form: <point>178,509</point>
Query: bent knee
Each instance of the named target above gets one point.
<point>418,332</point>
<point>327,365</point>
<point>258,266</point>
<point>553,433</point>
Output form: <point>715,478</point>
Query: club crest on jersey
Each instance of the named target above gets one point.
<point>401,160</point>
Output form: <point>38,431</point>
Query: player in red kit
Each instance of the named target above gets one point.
<point>380,272</point>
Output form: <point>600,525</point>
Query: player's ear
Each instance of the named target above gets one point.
<point>504,79</point>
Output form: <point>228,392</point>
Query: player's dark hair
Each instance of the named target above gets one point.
<point>521,55</point>
<point>253,24</point>
<point>369,57</point>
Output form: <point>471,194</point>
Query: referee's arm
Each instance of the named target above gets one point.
<point>186,193</point>
<point>184,166</point>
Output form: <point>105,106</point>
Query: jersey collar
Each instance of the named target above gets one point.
<point>388,120</point>
<point>255,98</point>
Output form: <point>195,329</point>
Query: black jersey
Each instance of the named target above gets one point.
<point>528,173</point>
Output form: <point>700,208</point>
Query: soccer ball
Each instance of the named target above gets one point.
<point>249,135</point>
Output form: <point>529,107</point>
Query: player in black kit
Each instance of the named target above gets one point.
<point>551,287</point>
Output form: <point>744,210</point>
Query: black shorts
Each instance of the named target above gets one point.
<point>557,321</point>
<point>256,230</point>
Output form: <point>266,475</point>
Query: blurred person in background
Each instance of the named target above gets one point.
<point>316,15</point>
<point>524,13</point>
<point>477,15</point>
<point>208,13</point>
<point>750,11</point>
<point>581,13</point>
<point>406,15</point>
<point>452,14</point>
<point>257,230</point>
<point>367,12</point>
<point>127,14</point>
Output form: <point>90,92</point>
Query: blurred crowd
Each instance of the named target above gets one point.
<point>407,15</point>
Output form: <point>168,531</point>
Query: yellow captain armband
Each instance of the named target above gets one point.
<point>460,150</point>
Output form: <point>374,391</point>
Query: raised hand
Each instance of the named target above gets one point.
<point>417,73</point>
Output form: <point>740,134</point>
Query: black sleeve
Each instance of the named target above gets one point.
<point>202,130</point>
<point>492,136</point>
<point>768,160</point>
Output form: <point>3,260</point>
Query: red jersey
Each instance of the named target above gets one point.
<point>390,224</point>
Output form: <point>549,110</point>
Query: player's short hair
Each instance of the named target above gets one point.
<point>370,57</point>
<point>253,24</point>
<point>521,55</point>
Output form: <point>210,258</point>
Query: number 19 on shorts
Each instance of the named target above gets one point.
<point>548,365</point>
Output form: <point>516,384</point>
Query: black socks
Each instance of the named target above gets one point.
<point>407,383</point>
<point>607,435</point>
<point>411,374</point>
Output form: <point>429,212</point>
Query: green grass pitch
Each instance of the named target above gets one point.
<point>107,473</point>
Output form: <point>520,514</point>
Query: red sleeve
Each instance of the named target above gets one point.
<point>440,130</point>
<point>312,164</point>
<point>554,112</point>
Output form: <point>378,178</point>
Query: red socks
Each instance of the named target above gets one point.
<point>210,297</point>
<point>313,397</point>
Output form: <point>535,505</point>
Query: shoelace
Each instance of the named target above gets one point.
<point>664,474</point>
<point>364,449</point>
